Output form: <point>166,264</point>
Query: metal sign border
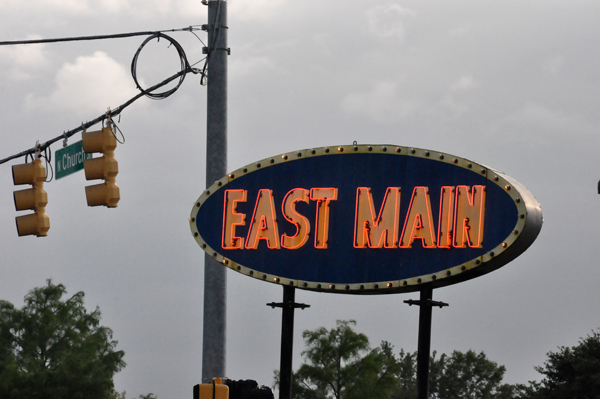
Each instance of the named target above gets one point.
<point>526,229</point>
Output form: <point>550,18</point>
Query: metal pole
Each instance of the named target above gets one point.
<point>287,343</point>
<point>424,345</point>
<point>287,339</point>
<point>215,279</point>
<point>425,303</point>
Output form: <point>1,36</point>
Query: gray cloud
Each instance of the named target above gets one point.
<point>510,84</point>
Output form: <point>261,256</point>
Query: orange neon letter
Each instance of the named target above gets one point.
<point>468,222</point>
<point>290,214</point>
<point>446,217</point>
<point>380,232</point>
<point>231,219</point>
<point>418,223</point>
<point>323,196</point>
<point>263,225</point>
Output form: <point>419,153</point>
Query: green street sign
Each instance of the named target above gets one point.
<point>70,159</point>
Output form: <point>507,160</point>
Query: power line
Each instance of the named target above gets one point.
<point>185,69</point>
<point>85,126</point>
<point>98,37</point>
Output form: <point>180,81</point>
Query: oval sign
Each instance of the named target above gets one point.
<point>365,219</point>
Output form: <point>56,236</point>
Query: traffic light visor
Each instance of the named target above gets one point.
<point>29,173</point>
<point>33,224</point>
<point>100,168</point>
<point>99,141</point>
<point>107,194</point>
<point>31,198</point>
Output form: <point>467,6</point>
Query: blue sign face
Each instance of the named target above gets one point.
<point>365,219</point>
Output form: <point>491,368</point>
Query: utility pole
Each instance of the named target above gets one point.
<point>215,279</point>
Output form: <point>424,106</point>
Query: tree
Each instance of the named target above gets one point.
<point>333,358</point>
<point>122,395</point>
<point>53,348</point>
<point>572,373</point>
<point>407,376</point>
<point>377,375</point>
<point>340,365</point>
<point>468,375</point>
<point>458,376</point>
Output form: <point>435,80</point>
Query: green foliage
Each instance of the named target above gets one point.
<point>122,395</point>
<point>467,376</point>
<point>407,375</point>
<point>572,373</point>
<point>116,395</point>
<point>377,375</point>
<point>333,357</point>
<point>339,364</point>
<point>458,376</point>
<point>54,348</point>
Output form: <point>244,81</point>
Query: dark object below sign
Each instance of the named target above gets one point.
<point>365,219</point>
<point>248,389</point>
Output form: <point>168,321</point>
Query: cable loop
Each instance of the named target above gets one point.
<point>120,132</point>
<point>185,69</point>
<point>48,160</point>
<point>48,154</point>
<point>185,66</point>
<point>110,123</point>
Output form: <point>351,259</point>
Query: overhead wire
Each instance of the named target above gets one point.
<point>148,92</point>
<point>97,120</point>
<point>190,28</point>
<point>184,64</point>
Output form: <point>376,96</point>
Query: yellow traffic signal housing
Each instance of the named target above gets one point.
<point>34,198</point>
<point>215,390</point>
<point>105,167</point>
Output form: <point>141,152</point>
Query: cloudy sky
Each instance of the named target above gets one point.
<point>511,84</point>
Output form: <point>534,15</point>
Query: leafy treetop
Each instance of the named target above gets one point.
<point>53,348</point>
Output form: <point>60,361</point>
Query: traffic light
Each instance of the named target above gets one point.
<point>214,390</point>
<point>35,198</point>
<point>105,167</point>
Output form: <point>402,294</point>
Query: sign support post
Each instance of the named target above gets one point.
<point>215,279</point>
<point>287,339</point>
<point>424,345</point>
